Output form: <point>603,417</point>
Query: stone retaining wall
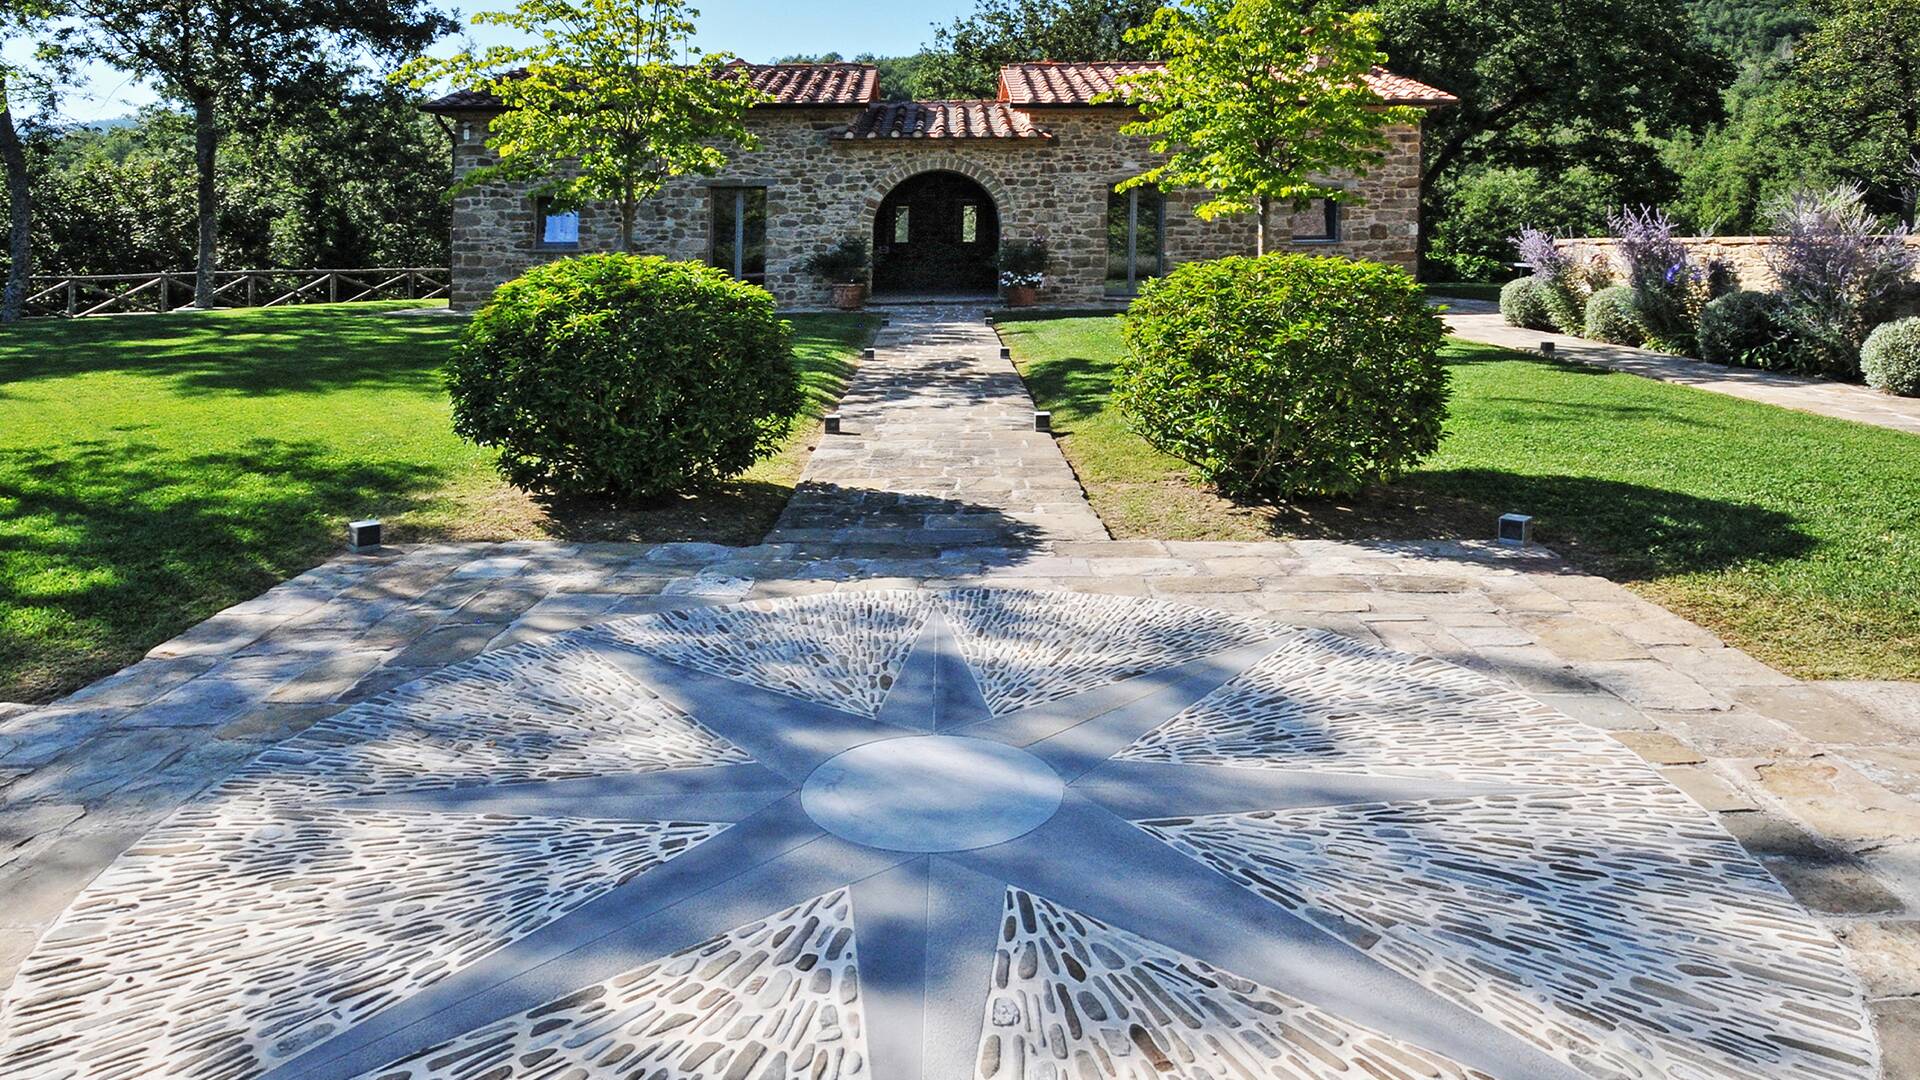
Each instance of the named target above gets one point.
<point>1746,256</point>
<point>821,188</point>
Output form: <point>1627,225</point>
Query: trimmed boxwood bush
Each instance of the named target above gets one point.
<point>623,376</point>
<point>1286,375</point>
<point>1523,303</point>
<point>1614,317</point>
<point>1891,357</point>
<point>1744,329</point>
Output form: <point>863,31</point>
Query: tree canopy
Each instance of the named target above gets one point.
<point>1259,102</point>
<point>609,104</point>
<point>205,53</point>
<point>1855,90</point>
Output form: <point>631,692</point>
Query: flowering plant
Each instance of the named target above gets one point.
<point>1014,278</point>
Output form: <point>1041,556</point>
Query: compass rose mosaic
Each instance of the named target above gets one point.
<point>939,836</point>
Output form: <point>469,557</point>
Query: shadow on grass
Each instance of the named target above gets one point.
<point>251,352</point>
<point>113,546</point>
<point>1624,531</point>
<point>1073,386</point>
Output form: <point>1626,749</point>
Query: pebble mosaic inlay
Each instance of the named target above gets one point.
<point>1279,854</point>
<point>1075,997</point>
<point>777,999</point>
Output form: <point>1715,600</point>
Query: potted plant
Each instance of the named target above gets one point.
<point>843,266</point>
<point>1023,269</point>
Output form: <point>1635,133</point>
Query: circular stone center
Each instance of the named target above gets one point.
<point>932,793</point>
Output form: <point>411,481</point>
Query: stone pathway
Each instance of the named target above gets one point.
<point>1820,783</point>
<point>937,447</point>
<point>1821,396</point>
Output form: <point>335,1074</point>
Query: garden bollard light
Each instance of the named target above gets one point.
<point>363,535</point>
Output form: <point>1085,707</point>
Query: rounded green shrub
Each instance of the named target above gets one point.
<point>1613,317</point>
<point>1891,357</point>
<point>1744,329</point>
<point>625,377</point>
<point>1523,303</point>
<point>1286,375</point>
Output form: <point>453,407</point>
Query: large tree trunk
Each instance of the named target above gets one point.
<point>629,209</point>
<point>20,223</point>
<point>206,140</point>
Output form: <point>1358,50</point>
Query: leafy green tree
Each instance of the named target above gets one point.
<point>1488,205</point>
<point>1733,173</point>
<point>215,56</point>
<point>1259,101</point>
<point>21,83</point>
<point>965,58</point>
<point>606,106</point>
<point>1552,84</point>
<point>1749,28</point>
<point>1855,89</point>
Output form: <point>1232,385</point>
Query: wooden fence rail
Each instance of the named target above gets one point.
<point>79,295</point>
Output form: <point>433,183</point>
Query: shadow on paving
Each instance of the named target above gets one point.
<point>115,546</point>
<point>823,512</point>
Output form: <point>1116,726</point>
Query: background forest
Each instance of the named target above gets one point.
<point>1708,108</point>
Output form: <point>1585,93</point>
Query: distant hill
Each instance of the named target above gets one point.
<point>1747,29</point>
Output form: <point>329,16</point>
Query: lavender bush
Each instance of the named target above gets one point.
<point>1668,287</point>
<point>1565,280</point>
<point>1840,273</point>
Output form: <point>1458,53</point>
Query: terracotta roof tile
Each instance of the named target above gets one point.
<point>788,84</point>
<point>1078,83</point>
<point>943,120</point>
<point>816,84</point>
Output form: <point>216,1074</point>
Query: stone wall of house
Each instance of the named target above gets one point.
<point>821,188</point>
<point>1745,256</point>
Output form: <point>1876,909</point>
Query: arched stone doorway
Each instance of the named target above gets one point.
<point>935,232</point>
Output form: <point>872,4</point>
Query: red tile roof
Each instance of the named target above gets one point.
<point>816,84</point>
<point>1051,82</point>
<point>787,84</point>
<point>943,120</point>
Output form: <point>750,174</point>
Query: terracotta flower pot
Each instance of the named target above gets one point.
<point>849,296</point>
<point>1022,295</point>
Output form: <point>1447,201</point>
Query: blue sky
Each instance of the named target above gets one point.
<point>755,29</point>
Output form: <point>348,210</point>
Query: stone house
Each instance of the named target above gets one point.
<point>936,186</point>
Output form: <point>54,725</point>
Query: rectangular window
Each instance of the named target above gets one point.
<point>740,232</point>
<point>969,223</point>
<point>1136,225</point>
<point>1318,224</point>
<point>555,228</point>
<point>900,224</point>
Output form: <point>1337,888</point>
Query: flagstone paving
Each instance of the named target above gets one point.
<point>1403,810</point>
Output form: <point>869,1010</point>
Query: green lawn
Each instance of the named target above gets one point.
<point>1471,290</point>
<point>1794,536</point>
<point>155,469</point>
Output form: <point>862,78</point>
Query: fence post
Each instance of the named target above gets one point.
<point>166,292</point>
<point>253,291</point>
<point>333,288</point>
<point>73,297</point>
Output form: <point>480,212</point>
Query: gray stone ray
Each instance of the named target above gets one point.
<point>786,734</point>
<point>936,690</point>
<point>1198,911</point>
<point>711,793</point>
<point>1077,734</point>
<point>1141,790</point>
<point>924,934</point>
<point>772,861</point>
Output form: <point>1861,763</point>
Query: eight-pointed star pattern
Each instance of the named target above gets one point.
<point>939,835</point>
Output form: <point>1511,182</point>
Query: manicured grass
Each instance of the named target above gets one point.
<point>1471,290</point>
<point>1796,537</point>
<point>155,469</point>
